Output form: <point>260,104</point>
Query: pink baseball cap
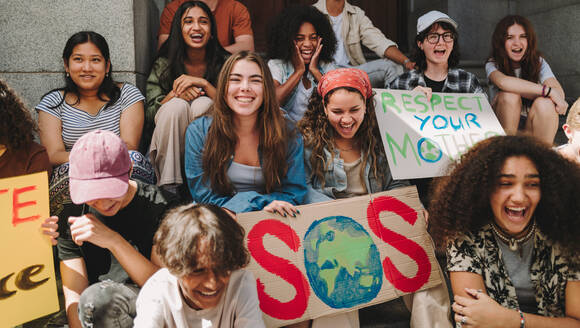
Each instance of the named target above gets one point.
<point>99,167</point>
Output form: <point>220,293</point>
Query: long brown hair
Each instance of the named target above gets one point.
<point>318,134</point>
<point>275,132</point>
<point>530,63</point>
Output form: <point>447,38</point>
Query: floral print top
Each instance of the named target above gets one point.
<point>479,253</point>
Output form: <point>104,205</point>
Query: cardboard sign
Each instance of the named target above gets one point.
<point>339,256</point>
<point>422,138</point>
<point>27,279</point>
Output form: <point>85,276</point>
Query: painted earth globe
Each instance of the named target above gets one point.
<point>342,262</point>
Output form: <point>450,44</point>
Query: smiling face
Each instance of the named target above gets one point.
<point>516,43</point>
<point>517,194</point>
<point>87,66</point>
<point>245,90</point>
<point>202,289</point>
<point>346,112</point>
<point>437,53</point>
<point>195,28</point>
<point>307,40</point>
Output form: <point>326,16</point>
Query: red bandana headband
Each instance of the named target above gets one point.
<point>346,77</point>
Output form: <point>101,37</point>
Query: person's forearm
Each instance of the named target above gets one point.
<point>393,53</point>
<point>239,46</point>
<point>540,321</point>
<point>72,315</point>
<point>316,73</point>
<point>284,90</point>
<point>58,157</point>
<point>135,264</point>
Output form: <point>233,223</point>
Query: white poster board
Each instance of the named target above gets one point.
<point>421,138</point>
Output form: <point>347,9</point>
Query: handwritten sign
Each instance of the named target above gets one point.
<point>27,279</point>
<point>339,256</point>
<point>421,138</point>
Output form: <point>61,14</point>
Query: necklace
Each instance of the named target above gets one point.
<point>513,243</point>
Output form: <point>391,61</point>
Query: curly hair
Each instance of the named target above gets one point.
<point>530,63</point>
<point>186,227</point>
<point>16,123</point>
<point>318,135</point>
<point>461,201</point>
<point>275,132</point>
<point>285,26</point>
<point>175,49</point>
<point>108,87</point>
<point>418,55</point>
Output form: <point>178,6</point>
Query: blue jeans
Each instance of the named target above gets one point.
<point>381,72</point>
<point>108,304</point>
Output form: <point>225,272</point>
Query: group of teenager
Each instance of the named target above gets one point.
<point>228,132</point>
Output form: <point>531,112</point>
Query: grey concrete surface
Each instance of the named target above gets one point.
<point>33,35</point>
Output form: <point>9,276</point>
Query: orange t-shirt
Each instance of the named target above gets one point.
<point>232,20</point>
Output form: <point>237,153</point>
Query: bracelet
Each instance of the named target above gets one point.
<point>548,93</point>
<point>544,90</point>
<point>522,319</point>
<point>406,61</point>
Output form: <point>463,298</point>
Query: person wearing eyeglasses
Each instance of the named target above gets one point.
<point>436,52</point>
<point>300,48</point>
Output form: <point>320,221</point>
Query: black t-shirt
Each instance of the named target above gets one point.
<point>136,223</point>
<point>436,86</point>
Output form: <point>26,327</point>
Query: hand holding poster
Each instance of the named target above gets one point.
<point>421,138</point>
<point>27,280</point>
<point>339,256</point>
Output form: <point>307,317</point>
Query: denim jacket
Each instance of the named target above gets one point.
<point>293,189</point>
<point>335,178</point>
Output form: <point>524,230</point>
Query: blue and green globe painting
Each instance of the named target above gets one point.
<point>342,262</point>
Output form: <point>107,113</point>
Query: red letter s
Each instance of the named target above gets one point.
<point>280,267</point>
<point>403,244</point>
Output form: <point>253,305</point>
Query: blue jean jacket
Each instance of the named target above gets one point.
<point>293,189</point>
<point>335,178</point>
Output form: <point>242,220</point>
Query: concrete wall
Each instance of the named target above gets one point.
<point>557,24</point>
<point>33,35</point>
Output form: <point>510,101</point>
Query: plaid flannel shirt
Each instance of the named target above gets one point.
<point>458,81</point>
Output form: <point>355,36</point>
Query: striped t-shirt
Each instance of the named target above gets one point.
<point>77,122</point>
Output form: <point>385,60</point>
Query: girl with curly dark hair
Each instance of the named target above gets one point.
<point>19,153</point>
<point>180,87</point>
<point>524,92</point>
<point>301,45</point>
<point>507,215</point>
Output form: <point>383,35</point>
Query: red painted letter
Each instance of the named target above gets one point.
<point>16,206</point>
<point>400,242</point>
<point>281,267</point>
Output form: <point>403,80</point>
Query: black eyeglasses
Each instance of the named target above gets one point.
<point>433,38</point>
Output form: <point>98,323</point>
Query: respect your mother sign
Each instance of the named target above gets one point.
<point>339,256</point>
<point>421,137</point>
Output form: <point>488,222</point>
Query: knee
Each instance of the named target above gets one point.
<point>508,99</point>
<point>107,304</point>
<point>171,110</point>
<point>199,107</point>
<point>544,108</point>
